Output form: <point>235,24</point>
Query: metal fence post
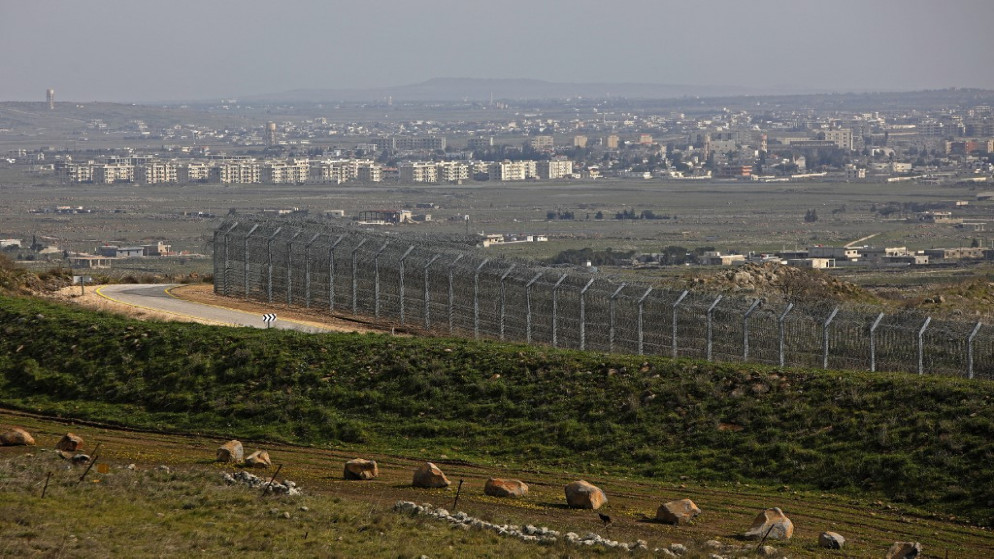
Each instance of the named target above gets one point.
<point>331,273</point>
<point>641,307</point>
<point>873,342</point>
<point>824,333</point>
<point>611,313</point>
<point>401,286</point>
<point>246,263</point>
<point>583,314</point>
<point>675,305</point>
<point>452,294</point>
<point>503,299</point>
<point>528,307</point>
<point>426,294</point>
<point>921,346</point>
<point>269,268</point>
<point>476,298</point>
<point>376,280</point>
<point>969,350</point>
<point>226,287</point>
<point>307,270</point>
<point>780,333</point>
<point>355,279</point>
<point>745,329</point>
<point>555,310</point>
<point>710,318</point>
<point>289,271</point>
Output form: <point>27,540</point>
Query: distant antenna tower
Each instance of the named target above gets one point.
<point>50,95</point>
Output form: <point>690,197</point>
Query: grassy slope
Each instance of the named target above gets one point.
<point>922,440</point>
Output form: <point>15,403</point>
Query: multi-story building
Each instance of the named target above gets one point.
<point>555,168</point>
<point>841,137</point>
<point>453,171</point>
<point>483,143</point>
<point>418,171</point>
<point>79,172</point>
<point>156,173</point>
<point>236,172</point>
<point>579,141</point>
<point>611,142</point>
<point>512,170</point>
<point>540,143</point>
<point>193,172</point>
<point>109,173</point>
<point>283,172</point>
<point>367,170</point>
<point>409,143</point>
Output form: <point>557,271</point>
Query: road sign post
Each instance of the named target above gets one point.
<point>81,280</point>
<point>269,319</point>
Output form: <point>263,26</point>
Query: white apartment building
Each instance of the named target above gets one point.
<point>193,172</point>
<point>505,171</point>
<point>555,168</point>
<point>236,172</point>
<point>156,173</point>
<point>841,137</point>
<point>452,171</point>
<point>109,173</point>
<point>285,172</point>
<point>79,172</point>
<point>418,171</point>
<point>367,170</point>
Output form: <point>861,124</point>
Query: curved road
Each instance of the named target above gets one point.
<point>157,297</point>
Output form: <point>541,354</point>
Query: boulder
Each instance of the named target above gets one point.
<point>584,495</point>
<point>904,550</point>
<point>258,459</point>
<point>69,443</point>
<point>360,469</point>
<point>831,540</point>
<point>429,476</point>
<point>497,487</point>
<point>16,436</point>
<point>772,524</point>
<point>677,512</point>
<point>230,451</point>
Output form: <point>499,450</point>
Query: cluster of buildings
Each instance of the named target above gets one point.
<point>249,170</point>
<point>822,257</point>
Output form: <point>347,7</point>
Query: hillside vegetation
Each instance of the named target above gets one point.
<point>925,441</point>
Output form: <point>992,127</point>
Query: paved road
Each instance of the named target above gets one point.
<point>157,297</point>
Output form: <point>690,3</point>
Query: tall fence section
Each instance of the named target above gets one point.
<point>454,289</point>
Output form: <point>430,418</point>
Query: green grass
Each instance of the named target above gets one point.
<point>924,441</point>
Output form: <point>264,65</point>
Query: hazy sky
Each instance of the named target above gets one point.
<point>137,50</point>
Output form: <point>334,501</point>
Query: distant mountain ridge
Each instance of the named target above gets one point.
<point>481,89</point>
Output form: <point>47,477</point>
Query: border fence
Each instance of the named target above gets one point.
<point>453,289</point>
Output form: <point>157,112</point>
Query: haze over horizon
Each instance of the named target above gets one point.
<point>115,50</point>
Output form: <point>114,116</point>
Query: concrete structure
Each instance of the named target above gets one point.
<point>236,172</point>
<point>579,141</point>
<point>271,139</point>
<point>483,143</point>
<point>88,261</point>
<point>716,258</point>
<point>540,143</point>
<point>50,97</point>
<point>282,172</point>
<point>842,138</point>
<point>835,253</point>
<point>408,143</point>
<point>555,168</point>
<point>452,171</point>
<point>109,173</point>
<point>506,171</point>
<point>417,171</point>
<point>156,173</point>
<point>611,142</point>
<point>111,251</point>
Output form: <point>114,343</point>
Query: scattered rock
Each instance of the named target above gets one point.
<point>164,469</point>
<point>772,524</point>
<point>584,495</point>
<point>80,459</point>
<point>430,476</point>
<point>258,459</point>
<point>16,436</point>
<point>231,451</point>
<point>831,540</point>
<point>361,469</point>
<point>254,481</point>
<point>69,443</point>
<point>904,550</point>
<point>497,487</point>
<point>677,512</point>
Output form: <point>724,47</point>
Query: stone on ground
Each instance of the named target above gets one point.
<point>361,469</point>
<point>831,540</point>
<point>429,476</point>
<point>497,487</point>
<point>16,436</point>
<point>677,512</point>
<point>69,443</point>
<point>904,550</point>
<point>772,524</point>
<point>258,459</point>
<point>231,451</point>
<point>584,495</point>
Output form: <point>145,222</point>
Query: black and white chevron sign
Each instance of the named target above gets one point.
<point>267,318</point>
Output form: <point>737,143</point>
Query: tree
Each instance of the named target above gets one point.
<point>599,215</point>
<point>810,216</point>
